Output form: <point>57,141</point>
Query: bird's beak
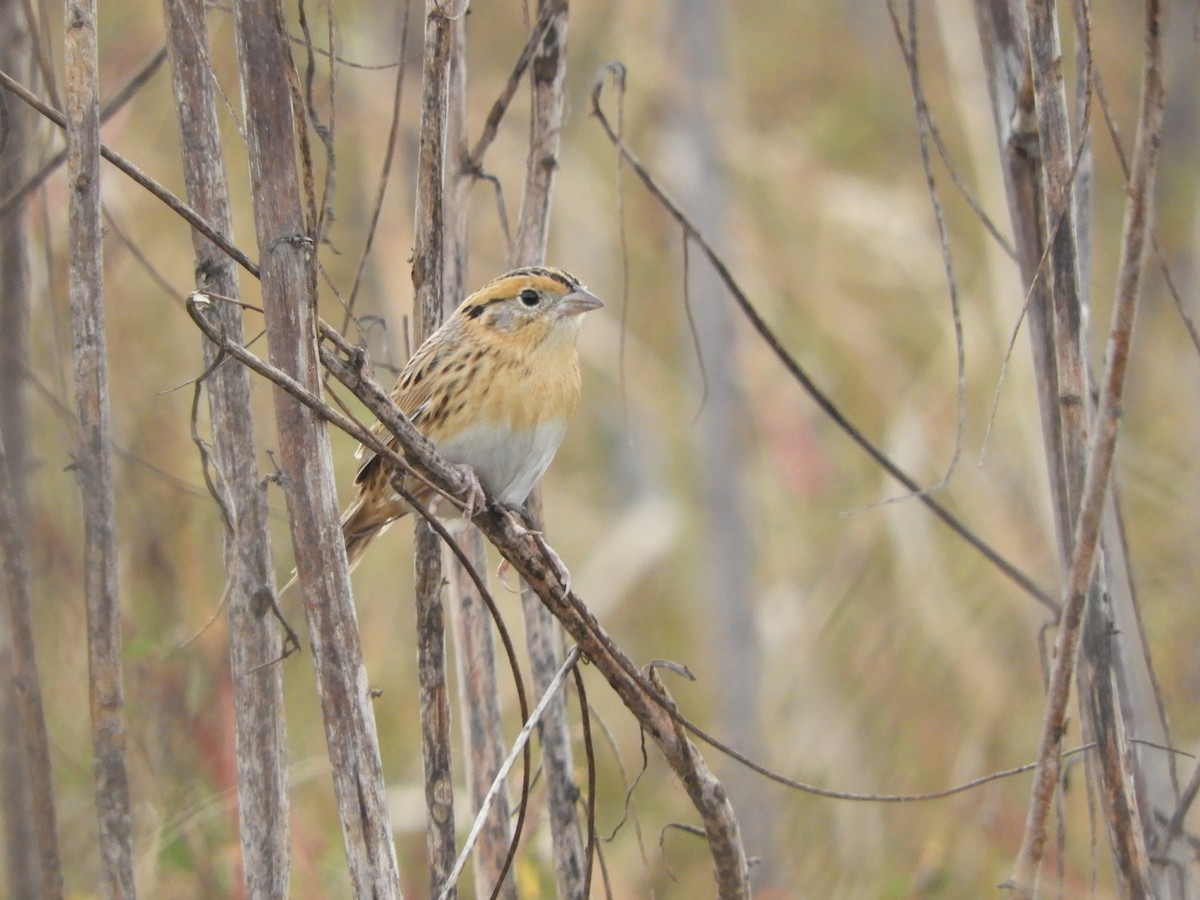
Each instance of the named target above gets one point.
<point>579,301</point>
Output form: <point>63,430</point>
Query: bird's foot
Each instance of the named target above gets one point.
<point>473,497</point>
<point>557,566</point>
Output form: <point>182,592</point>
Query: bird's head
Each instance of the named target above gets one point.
<point>530,305</point>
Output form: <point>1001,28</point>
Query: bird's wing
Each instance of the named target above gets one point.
<point>413,393</point>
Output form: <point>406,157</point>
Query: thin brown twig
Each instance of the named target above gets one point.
<point>384,171</point>
<point>491,124</point>
<point>118,100</point>
<point>585,722</point>
<point>1159,253</point>
<point>908,49</point>
<point>794,368</point>
<point>176,205</point>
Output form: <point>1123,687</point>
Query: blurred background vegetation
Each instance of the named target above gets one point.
<point>893,658</point>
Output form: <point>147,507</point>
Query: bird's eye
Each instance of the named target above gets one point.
<point>530,297</point>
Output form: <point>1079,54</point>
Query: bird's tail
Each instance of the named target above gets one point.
<point>361,523</point>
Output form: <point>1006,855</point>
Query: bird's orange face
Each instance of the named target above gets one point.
<point>528,307</point>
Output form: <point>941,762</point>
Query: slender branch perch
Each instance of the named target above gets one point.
<point>527,553</point>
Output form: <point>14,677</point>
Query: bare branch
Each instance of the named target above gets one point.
<point>18,195</point>
<point>27,804</point>
<point>141,178</point>
<point>908,47</point>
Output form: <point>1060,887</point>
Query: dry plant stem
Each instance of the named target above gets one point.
<point>548,73</point>
<point>260,732</point>
<point>908,47</point>
<point>585,727</point>
<point>1001,30</point>
<point>475,656</point>
<point>544,642</point>
<point>480,712</point>
<point>288,289</point>
<point>1115,679</point>
<point>1058,170</point>
<point>548,69</point>
<point>1171,859</point>
<point>40,831</point>
<point>793,367</point>
<point>496,790</point>
<point>94,462</point>
<point>428,288</point>
<point>31,855</point>
<point>1138,215</point>
<point>94,459</point>
<point>32,742</point>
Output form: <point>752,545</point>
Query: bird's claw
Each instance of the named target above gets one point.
<point>501,572</point>
<point>474,498</point>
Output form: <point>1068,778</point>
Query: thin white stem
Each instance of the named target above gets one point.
<point>498,781</point>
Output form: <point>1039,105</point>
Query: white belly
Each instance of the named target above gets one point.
<point>507,463</point>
